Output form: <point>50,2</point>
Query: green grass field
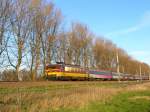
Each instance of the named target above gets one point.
<point>77,96</point>
<point>125,102</point>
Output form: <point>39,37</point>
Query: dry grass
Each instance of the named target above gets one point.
<point>80,97</point>
<point>138,87</point>
<point>53,100</point>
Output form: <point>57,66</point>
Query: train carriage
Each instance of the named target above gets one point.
<point>100,75</point>
<point>118,76</point>
<point>145,77</point>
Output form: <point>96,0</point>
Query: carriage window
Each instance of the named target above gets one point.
<point>66,68</point>
<point>74,69</point>
<point>71,69</point>
<point>77,70</point>
<point>81,70</point>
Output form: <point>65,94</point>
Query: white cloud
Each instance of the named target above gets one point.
<point>144,22</point>
<point>141,53</point>
<point>143,56</point>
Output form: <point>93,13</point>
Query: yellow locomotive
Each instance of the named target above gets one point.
<point>61,71</point>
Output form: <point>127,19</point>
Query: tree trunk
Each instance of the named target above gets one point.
<point>19,62</point>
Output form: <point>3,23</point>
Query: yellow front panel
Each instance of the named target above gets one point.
<point>75,75</point>
<point>65,74</point>
<point>55,73</point>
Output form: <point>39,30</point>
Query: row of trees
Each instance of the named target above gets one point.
<point>32,34</point>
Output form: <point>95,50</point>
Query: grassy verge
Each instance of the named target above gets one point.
<point>72,97</point>
<point>132,99</point>
<point>126,102</point>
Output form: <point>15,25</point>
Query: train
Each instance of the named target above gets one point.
<point>61,71</point>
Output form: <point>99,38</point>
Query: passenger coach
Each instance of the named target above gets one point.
<point>100,75</point>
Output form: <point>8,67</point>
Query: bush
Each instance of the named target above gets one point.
<point>10,75</point>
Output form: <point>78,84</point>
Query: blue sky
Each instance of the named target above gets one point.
<point>125,22</point>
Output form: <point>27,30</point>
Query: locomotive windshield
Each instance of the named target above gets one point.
<point>53,67</point>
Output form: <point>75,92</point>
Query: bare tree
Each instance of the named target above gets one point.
<point>5,6</point>
<point>45,24</point>
<point>80,40</point>
<point>5,11</point>
<point>20,25</point>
